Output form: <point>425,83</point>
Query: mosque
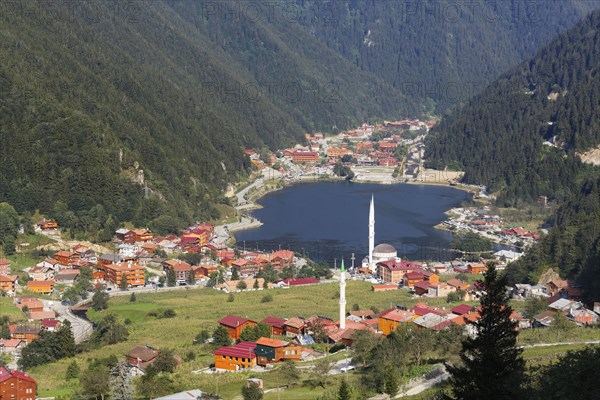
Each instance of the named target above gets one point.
<point>381,252</point>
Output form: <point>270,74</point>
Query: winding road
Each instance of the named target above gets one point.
<point>82,328</point>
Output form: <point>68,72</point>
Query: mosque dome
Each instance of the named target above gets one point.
<point>384,251</point>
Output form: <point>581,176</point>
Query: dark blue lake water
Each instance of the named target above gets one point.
<point>330,220</point>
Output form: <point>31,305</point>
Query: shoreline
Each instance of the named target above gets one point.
<point>246,222</point>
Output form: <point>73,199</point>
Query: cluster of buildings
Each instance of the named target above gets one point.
<point>481,221</point>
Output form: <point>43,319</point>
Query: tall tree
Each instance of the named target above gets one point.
<point>221,336</point>
<point>492,366</point>
<point>72,371</point>
<point>344,391</point>
<point>100,299</point>
<point>94,382</point>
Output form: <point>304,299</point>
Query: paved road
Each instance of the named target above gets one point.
<point>82,329</point>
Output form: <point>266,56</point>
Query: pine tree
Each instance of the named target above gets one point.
<point>72,371</point>
<point>99,299</point>
<point>390,382</point>
<point>255,285</point>
<point>344,391</point>
<point>65,340</point>
<point>235,275</point>
<point>132,298</point>
<point>492,366</point>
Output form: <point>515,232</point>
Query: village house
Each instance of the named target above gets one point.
<point>67,276</point>
<point>40,315</point>
<point>272,351</point>
<point>48,225</point>
<point>440,289</point>
<point>276,324</point>
<point>304,157</point>
<point>16,385</point>
<point>411,278</point>
<point>50,324</point>
<point>461,310</point>
<point>32,303</point>
<point>142,235</point>
<point>476,268</point>
<point>8,282</point>
<point>66,258</point>
<point>181,268</point>
<point>299,281</point>
<point>234,358</point>
<point>393,271</point>
<point>41,273</point>
<point>11,346</point>
<point>457,284</point>
<point>384,288</point>
<point>25,332</point>
<point>134,273</point>
<point>555,286</point>
<point>421,288</point>
<point>43,287</point>
<point>245,266</point>
<point>235,325</point>
<point>432,321</point>
<point>390,319</point>
<point>335,153</point>
<point>294,326</point>
<point>141,356</point>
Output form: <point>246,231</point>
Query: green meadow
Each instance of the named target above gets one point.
<point>198,309</point>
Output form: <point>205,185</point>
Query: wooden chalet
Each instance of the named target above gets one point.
<point>270,351</point>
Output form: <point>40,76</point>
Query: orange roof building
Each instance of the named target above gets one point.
<point>43,287</point>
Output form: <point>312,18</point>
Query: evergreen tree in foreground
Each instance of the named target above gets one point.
<point>344,391</point>
<point>492,367</point>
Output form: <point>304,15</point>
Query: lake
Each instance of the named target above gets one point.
<point>329,220</point>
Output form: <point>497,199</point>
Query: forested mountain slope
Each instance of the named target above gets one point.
<point>93,92</point>
<point>573,245</point>
<point>445,51</point>
<point>498,137</point>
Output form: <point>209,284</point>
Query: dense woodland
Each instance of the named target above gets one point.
<point>93,94</point>
<point>440,52</point>
<point>497,138</point>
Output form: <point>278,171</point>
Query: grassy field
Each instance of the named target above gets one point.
<point>8,308</point>
<point>201,309</point>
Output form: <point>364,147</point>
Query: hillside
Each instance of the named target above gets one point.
<point>441,52</point>
<point>521,135</point>
<point>573,245</point>
<point>93,94</point>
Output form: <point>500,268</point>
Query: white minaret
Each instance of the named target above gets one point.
<point>371,231</point>
<point>342,296</point>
